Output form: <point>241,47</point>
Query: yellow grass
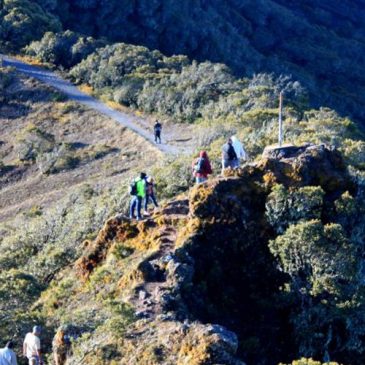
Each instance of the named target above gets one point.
<point>86,89</point>
<point>31,61</point>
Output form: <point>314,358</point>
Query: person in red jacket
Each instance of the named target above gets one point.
<point>201,167</point>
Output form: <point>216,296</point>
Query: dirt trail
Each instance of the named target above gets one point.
<point>147,300</point>
<point>139,125</point>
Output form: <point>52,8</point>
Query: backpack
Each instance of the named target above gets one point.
<point>133,188</point>
<point>199,165</point>
<point>231,153</point>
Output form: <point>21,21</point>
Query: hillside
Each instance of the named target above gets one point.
<point>258,267</point>
<point>50,145</point>
<point>321,43</point>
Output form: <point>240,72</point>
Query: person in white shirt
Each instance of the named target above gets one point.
<point>240,151</point>
<point>7,355</point>
<point>32,346</point>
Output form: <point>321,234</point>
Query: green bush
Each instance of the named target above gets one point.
<point>22,21</point>
<point>285,207</point>
<point>63,49</point>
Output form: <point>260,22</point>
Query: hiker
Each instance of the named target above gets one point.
<point>240,151</point>
<point>201,167</point>
<point>7,355</point>
<point>150,194</point>
<point>61,345</point>
<point>32,346</point>
<point>138,191</point>
<point>229,156</point>
<point>157,129</point>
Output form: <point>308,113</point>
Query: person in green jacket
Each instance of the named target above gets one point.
<point>138,195</point>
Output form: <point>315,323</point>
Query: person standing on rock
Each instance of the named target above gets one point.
<point>201,167</point>
<point>32,346</point>
<point>150,194</point>
<point>138,192</point>
<point>229,156</point>
<point>7,355</point>
<point>157,129</point>
<point>240,151</point>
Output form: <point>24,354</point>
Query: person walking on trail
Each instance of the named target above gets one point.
<point>32,346</point>
<point>7,355</point>
<point>138,192</point>
<point>201,167</point>
<point>150,194</point>
<point>157,129</point>
<point>61,346</point>
<point>240,151</point>
<point>229,156</point>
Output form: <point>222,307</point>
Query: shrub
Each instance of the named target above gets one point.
<point>63,49</point>
<point>285,207</point>
<point>22,21</point>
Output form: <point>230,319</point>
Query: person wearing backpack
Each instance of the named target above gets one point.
<point>150,194</point>
<point>157,130</point>
<point>229,156</point>
<point>138,192</point>
<point>201,167</point>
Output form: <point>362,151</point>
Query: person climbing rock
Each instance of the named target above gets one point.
<point>61,346</point>
<point>240,151</point>
<point>32,346</point>
<point>7,355</point>
<point>150,194</point>
<point>229,156</point>
<point>138,192</point>
<point>201,167</point>
<point>157,129</point>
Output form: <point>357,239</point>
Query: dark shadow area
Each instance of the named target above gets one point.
<point>14,110</point>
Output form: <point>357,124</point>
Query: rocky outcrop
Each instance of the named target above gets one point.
<point>202,282</point>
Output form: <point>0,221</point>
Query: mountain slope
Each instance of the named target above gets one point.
<point>322,43</point>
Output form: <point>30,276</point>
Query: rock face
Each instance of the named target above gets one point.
<point>201,279</point>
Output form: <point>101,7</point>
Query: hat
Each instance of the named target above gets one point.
<point>37,329</point>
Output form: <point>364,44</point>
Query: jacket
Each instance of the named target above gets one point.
<point>206,168</point>
<point>141,187</point>
<point>238,148</point>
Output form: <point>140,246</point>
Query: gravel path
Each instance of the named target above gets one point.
<point>73,93</point>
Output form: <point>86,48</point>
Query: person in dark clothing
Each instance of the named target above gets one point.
<point>229,156</point>
<point>157,129</point>
<point>201,167</point>
<point>150,194</point>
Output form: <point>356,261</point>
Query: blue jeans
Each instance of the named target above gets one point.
<point>135,202</point>
<point>147,200</point>
<point>200,180</point>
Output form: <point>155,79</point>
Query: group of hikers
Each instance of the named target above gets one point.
<point>142,188</point>
<point>32,349</point>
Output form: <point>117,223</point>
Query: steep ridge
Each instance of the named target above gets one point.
<point>148,292</point>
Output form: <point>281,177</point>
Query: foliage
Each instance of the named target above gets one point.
<point>285,207</point>
<point>304,361</point>
<point>22,21</point>
<point>63,49</point>
<point>173,176</point>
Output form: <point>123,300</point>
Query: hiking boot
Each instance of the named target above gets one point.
<point>146,213</point>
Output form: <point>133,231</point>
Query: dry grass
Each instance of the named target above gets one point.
<point>107,151</point>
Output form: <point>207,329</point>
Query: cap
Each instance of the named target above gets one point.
<point>37,329</point>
